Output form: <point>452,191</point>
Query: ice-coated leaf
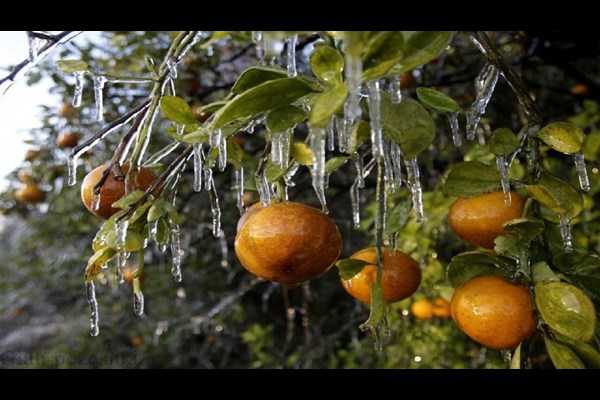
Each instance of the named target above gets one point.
<point>157,210</point>
<point>407,123</point>
<point>94,265</point>
<point>200,135</point>
<point>503,142</point>
<point>335,163</point>
<point>437,100</point>
<point>557,195</point>
<point>562,136</point>
<point>234,152</point>
<point>133,241</point>
<point>172,213</point>
<point>566,309</point>
<point>468,265</point>
<point>327,64</point>
<point>254,76</point>
<point>587,353</point>
<point>284,118</point>
<point>423,46</point>
<point>526,229</point>
<point>562,356</point>
<point>262,98</point>
<point>127,200</point>
<point>273,172</point>
<point>471,178</point>
<point>301,153</point>
<point>349,267</point>
<point>379,308</point>
<point>177,110</point>
<point>360,132</point>
<point>384,50</point>
<point>541,273</point>
<point>326,104</point>
<point>70,66</point>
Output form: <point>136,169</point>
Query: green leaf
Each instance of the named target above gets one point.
<point>379,308</point>
<point>133,241</point>
<point>468,265</point>
<point>326,104</point>
<point>349,267</point>
<point>273,172</point>
<point>559,196</point>
<point>383,52</point>
<point>437,100</point>
<point>327,64</point>
<point>284,118</point>
<point>199,136</point>
<point>562,357</point>
<point>140,212</point>
<point>508,246</point>
<point>471,178</point>
<point>172,213</point>
<point>515,361</point>
<point>70,66</point>
<point>254,76</point>
<point>591,147</point>
<point>423,46</point>
<point>566,309</point>
<point>407,123</point>
<point>234,153</point>
<point>526,229</point>
<point>162,232</point>
<point>127,200</point>
<point>542,273</point>
<point>562,136</point>
<point>177,110</point>
<point>157,210</point>
<point>360,132</point>
<point>262,98</point>
<point>301,153</point>
<point>397,217</point>
<point>94,265</point>
<point>504,142</point>
<point>586,352</point>
<point>335,163</point>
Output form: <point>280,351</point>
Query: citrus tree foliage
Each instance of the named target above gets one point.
<point>381,130</point>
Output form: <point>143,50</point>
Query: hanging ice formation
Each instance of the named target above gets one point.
<point>197,148</point>
<point>79,84</point>
<point>258,44</point>
<point>352,109</point>
<point>216,210</point>
<point>565,231</point>
<point>176,251</point>
<point>239,188</point>
<point>582,174</point>
<point>138,303</point>
<point>358,184</point>
<point>503,166</point>
<point>414,182</point>
<point>318,173</point>
<point>484,87</point>
<point>395,89</point>
<point>455,128</point>
<point>99,82</point>
<point>291,55</point>
<point>91,298</point>
<point>375,115</point>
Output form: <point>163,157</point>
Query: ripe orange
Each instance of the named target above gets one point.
<point>580,90</point>
<point>128,275</point>
<point>67,140</point>
<point>478,220</point>
<point>441,308</point>
<point>31,193</point>
<point>494,311</point>
<point>422,309</point>
<point>31,155</point>
<point>136,341</point>
<point>288,242</point>
<point>251,210</point>
<point>66,110</point>
<point>113,189</point>
<point>401,275</point>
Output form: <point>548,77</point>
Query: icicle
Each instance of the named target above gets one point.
<point>162,153</point>
<point>180,129</point>
<point>413,179</point>
<point>257,39</point>
<point>197,147</point>
<point>565,231</point>
<point>262,186</point>
<point>71,170</point>
<point>285,143</point>
<point>216,211</point>
<point>331,134</point>
<point>390,181</point>
<point>393,240</point>
<point>455,128</point>
<point>138,303</point>
<point>396,156</point>
<point>360,169</point>
<point>375,115</point>
<point>502,164</point>
<point>291,55</point>
<point>215,138</point>
<point>273,46</point>
<point>222,154</point>
<point>239,185</point>
<point>484,86</point>
<point>355,200</point>
<point>172,66</point>
<point>395,89</point>
<point>99,82</point>
<point>343,134</point>
<point>152,230</point>
<point>79,83</point>
<point>91,298</point>
<point>353,75</point>
<point>291,171</point>
<point>224,250</point>
<point>208,177</point>
<point>96,198</point>
<point>317,145</point>
<point>33,42</point>
<point>584,180</point>
<point>121,236</point>
<point>276,150</point>
<point>175,251</point>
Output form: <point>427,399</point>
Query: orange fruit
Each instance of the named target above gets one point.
<point>401,275</point>
<point>251,210</point>
<point>26,177</point>
<point>422,309</point>
<point>478,220</point>
<point>580,90</point>
<point>494,311</point>
<point>31,193</point>
<point>407,80</point>
<point>136,341</point>
<point>128,275</point>
<point>113,189</point>
<point>67,140</point>
<point>288,242</point>
<point>441,308</point>
<point>66,110</point>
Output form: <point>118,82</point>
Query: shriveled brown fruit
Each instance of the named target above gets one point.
<point>68,140</point>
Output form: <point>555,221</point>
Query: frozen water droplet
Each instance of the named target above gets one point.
<point>331,134</point>
<point>96,201</point>
<point>353,75</point>
<point>239,186</point>
<point>216,211</point>
<point>262,186</point>
<point>99,82</point>
<point>360,169</point>
<point>71,170</point>
<point>257,39</point>
<point>172,66</point>
<point>120,237</point>
<point>180,129</point>
<point>276,148</point>
<point>317,145</point>
<point>79,83</point>
<point>375,115</point>
<point>565,231</point>
<point>215,138</point>
<point>224,250</point>
<point>413,179</point>
<point>502,164</point>
<point>390,181</point>
<point>343,134</point>
<point>197,148</point>
<point>584,180</point>
<point>208,177</point>
<point>355,200</point>
<point>455,128</point>
<point>396,157</point>
<point>272,45</point>
<point>222,154</point>
<point>175,243</point>
<point>152,230</point>
<point>138,303</point>
<point>484,86</point>
<point>395,89</point>
<point>91,298</point>
<point>287,178</point>
<point>291,55</point>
